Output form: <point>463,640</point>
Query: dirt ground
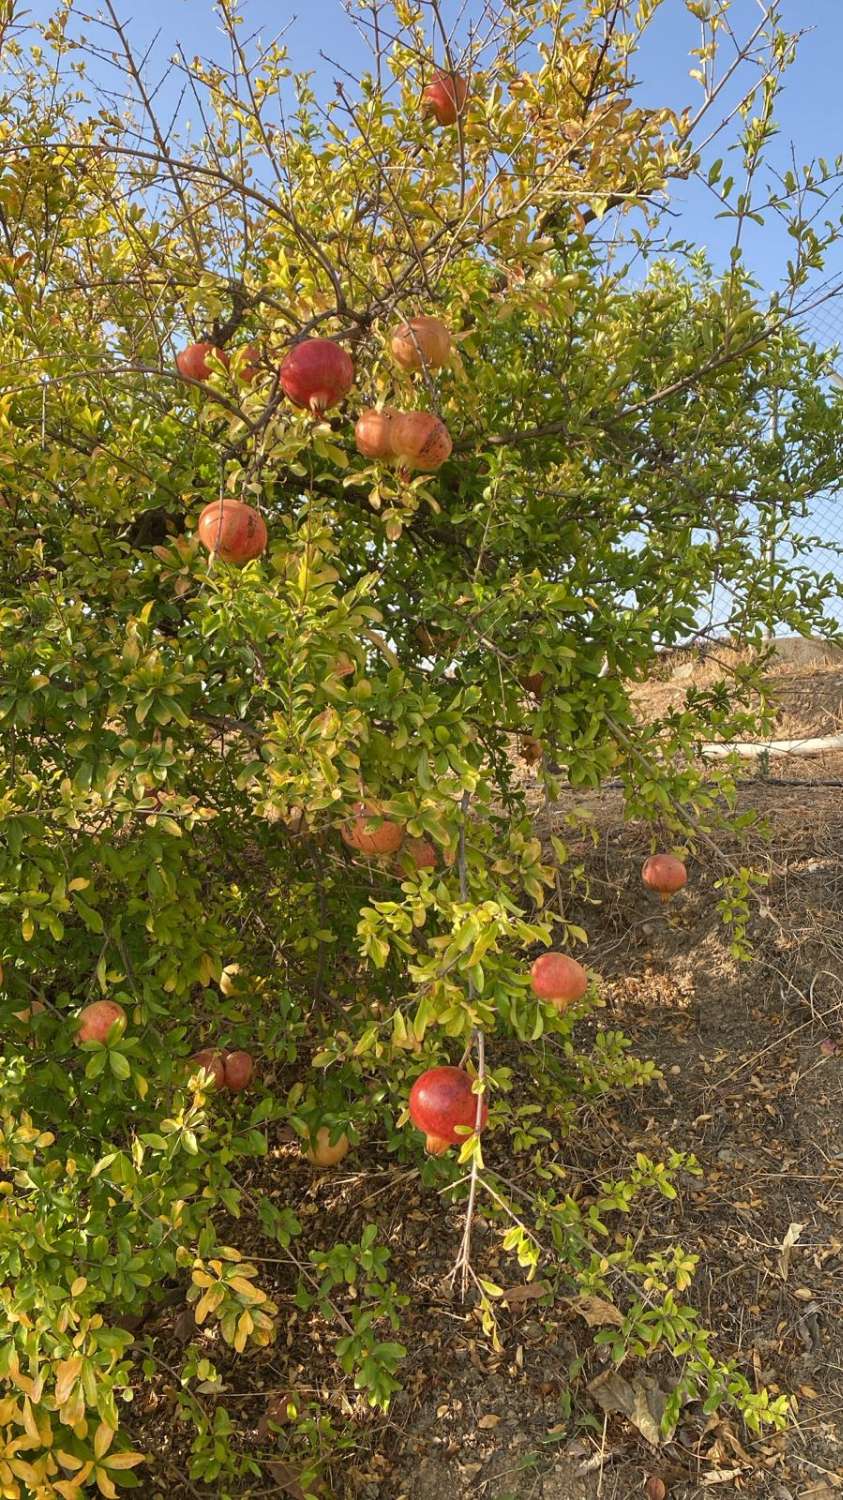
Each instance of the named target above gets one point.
<point>751,1057</point>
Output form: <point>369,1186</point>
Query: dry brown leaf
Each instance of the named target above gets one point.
<point>488,1421</point>
<point>529,1292</point>
<point>787,1244</point>
<point>597,1312</point>
<point>641,1400</point>
<point>287,1478</point>
<point>655,1488</point>
<point>721,1476</point>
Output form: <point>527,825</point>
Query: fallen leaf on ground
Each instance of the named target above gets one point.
<point>490,1421</point>
<point>529,1292</point>
<point>787,1244</point>
<point>655,1488</point>
<point>598,1313</point>
<point>722,1476</point>
<point>641,1400</point>
<point>287,1479</point>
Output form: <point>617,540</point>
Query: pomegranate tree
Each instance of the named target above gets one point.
<point>441,1104</point>
<point>370,833</point>
<point>317,374</point>
<point>192,362</point>
<point>421,342</point>
<point>232,531</point>
<point>445,97</point>
<point>559,979</point>
<point>664,873</point>
<point>97,1019</point>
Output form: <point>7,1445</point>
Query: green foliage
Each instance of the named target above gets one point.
<point>181,743</point>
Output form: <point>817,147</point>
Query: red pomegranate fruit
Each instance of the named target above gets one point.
<point>445,97</point>
<point>317,374</point>
<point>232,531</point>
<point>420,440</point>
<point>441,1100</point>
<point>664,873</point>
<point>533,682</point>
<point>559,979</point>
<point>250,366</point>
<point>530,748</point>
<point>369,833</point>
<point>97,1019</point>
<point>373,432</point>
<point>192,362</point>
<point>237,1071</point>
<point>211,1062</point>
<point>419,852</point>
<point>421,342</point>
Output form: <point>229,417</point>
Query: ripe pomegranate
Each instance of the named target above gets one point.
<point>321,1153</point>
<point>421,342</point>
<point>251,363</point>
<point>97,1019</point>
<point>238,1070</point>
<point>434,641</point>
<point>445,97</point>
<point>372,837</point>
<point>534,683</point>
<point>559,979</point>
<point>531,749</point>
<point>210,1062</point>
<point>420,852</point>
<point>373,432</point>
<point>232,531</point>
<point>317,374</point>
<point>192,362</point>
<point>664,873</point>
<point>421,440</point>
<point>440,1100</point>
<point>37,1008</point>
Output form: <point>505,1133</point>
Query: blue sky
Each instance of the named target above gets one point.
<point>811,113</point>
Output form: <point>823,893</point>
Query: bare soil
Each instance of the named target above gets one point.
<point>751,1057</point>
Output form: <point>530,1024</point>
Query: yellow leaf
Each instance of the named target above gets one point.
<point>124,1460</point>
<point>102,1440</point>
<point>104,1485</point>
<point>67,1373</point>
<point>245,1288</point>
<point>29,1422</point>
<point>78,1286</point>
<point>68,1460</point>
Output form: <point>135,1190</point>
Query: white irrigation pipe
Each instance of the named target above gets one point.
<point>750,750</point>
